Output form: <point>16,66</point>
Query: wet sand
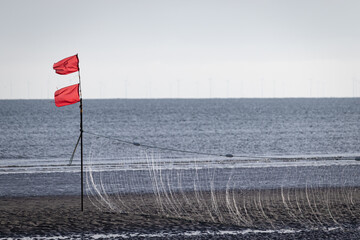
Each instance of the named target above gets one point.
<point>314,213</point>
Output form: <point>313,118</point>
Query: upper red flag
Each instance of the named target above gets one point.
<point>67,95</point>
<point>67,65</point>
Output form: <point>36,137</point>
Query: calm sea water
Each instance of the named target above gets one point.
<point>37,138</point>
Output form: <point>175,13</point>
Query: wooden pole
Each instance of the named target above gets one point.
<point>81,141</point>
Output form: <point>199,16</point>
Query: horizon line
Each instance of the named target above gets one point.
<point>190,98</point>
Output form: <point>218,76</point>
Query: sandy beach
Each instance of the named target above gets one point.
<point>323,213</point>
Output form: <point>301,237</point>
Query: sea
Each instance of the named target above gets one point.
<point>312,136</point>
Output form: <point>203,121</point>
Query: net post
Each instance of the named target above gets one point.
<point>81,139</point>
<point>82,162</point>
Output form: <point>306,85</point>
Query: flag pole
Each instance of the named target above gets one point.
<point>81,141</point>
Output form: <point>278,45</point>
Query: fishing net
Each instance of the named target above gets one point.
<point>245,191</point>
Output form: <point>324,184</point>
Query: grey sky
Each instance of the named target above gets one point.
<point>199,48</point>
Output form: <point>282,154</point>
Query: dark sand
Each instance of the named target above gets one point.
<point>313,214</point>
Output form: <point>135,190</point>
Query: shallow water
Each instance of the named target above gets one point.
<point>333,232</point>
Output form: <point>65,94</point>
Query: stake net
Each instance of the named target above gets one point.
<point>241,191</point>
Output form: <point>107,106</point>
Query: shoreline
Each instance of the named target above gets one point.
<point>266,209</point>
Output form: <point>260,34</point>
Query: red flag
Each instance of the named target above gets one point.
<point>67,95</point>
<point>67,65</point>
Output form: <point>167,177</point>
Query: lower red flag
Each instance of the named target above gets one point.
<point>67,95</point>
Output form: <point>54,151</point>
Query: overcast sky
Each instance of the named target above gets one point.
<point>185,48</point>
